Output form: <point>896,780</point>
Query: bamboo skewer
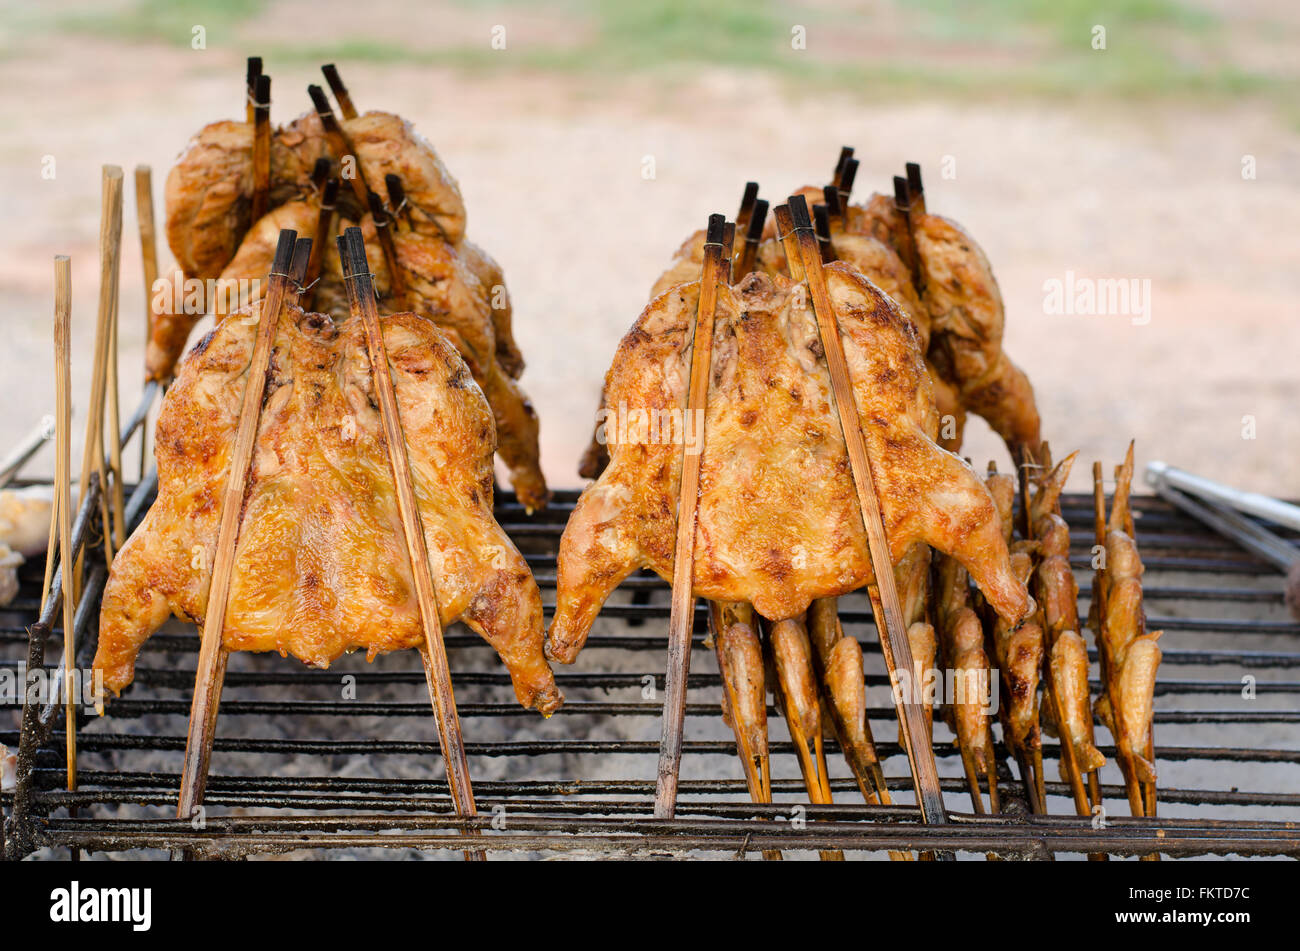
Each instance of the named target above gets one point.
<point>753,235</point>
<point>743,217</point>
<point>93,460</point>
<point>682,613</point>
<point>379,214</point>
<point>210,671</point>
<point>324,224</point>
<point>340,91</point>
<point>893,634</point>
<point>1131,787</point>
<point>63,496</point>
<point>250,88</point>
<point>844,187</point>
<point>149,257</point>
<point>915,189</point>
<point>118,498</point>
<point>361,297</point>
<point>262,147</point>
<point>339,144</point>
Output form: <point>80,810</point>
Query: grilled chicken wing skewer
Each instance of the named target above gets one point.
<point>1057,594</point>
<point>1132,651</point>
<point>320,567</point>
<point>778,522</point>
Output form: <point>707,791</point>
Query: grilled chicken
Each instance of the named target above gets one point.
<point>967,317</point>
<point>440,283</point>
<point>209,196</point>
<point>1133,652</point>
<point>320,566</point>
<point>779,523</point>
<point>740,661</point>
<point>210,188</point>
<point>1069,670</point>
<point>1057,594</point>
<point>839,660</point>
<point>961,638</point>
<point>792,654</point>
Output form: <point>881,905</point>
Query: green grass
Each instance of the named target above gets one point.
<point>976,49</point>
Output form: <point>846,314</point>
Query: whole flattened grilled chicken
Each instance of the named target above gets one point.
<point>321,566</point>
<point>778,516</point>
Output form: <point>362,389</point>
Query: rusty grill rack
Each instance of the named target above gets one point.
<point>311,761</point>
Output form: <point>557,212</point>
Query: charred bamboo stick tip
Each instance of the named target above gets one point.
<point>902,195</point>
<point>714,233</point>
<point>301,255</point>
<point>850,175</point>
<point>914,178</point>
<point>262,99</point>
<point>282,265</point>
<point>846,154</point>
<point>756,221</point>
<point>320,101</point>
<point>799,213</point>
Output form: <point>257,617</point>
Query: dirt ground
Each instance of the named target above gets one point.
<point>552,172</point>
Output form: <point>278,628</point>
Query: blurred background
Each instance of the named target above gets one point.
<point>604,132</point>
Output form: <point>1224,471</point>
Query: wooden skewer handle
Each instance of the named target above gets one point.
<point>682,612</point>
<point>211,663</point>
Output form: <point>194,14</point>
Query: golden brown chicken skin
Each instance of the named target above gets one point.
<point>320,565</point>
<point>779,523</point>
<point>967,319</point>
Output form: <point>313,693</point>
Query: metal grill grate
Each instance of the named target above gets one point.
<point>299,766</point>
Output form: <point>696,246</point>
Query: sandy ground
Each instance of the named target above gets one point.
<point>552,172</point>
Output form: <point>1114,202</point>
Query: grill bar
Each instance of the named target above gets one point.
<point>122,806</point>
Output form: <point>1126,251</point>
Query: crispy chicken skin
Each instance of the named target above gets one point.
<point>387,144</point>
<point>209,189</point>
<point>441,285</point>
<point>493,281</point>
<point>209,199</point>
<point>1019,655</point>
<point>967,318</point>
<point>778,516</point>
<point>321,565</point>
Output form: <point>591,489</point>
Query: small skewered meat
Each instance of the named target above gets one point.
<point>792,654</point>
<point>1132,649</point>
<point>740,658</point>
<point>839,659</point>
<point>962,638</point>
<point>1069,671</point>
<point>779,523</point>
<point>320,565</point>
<point>1057,594</point>
<point>1019,652</point>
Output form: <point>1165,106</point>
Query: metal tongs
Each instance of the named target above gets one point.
<point>1220,507</point>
